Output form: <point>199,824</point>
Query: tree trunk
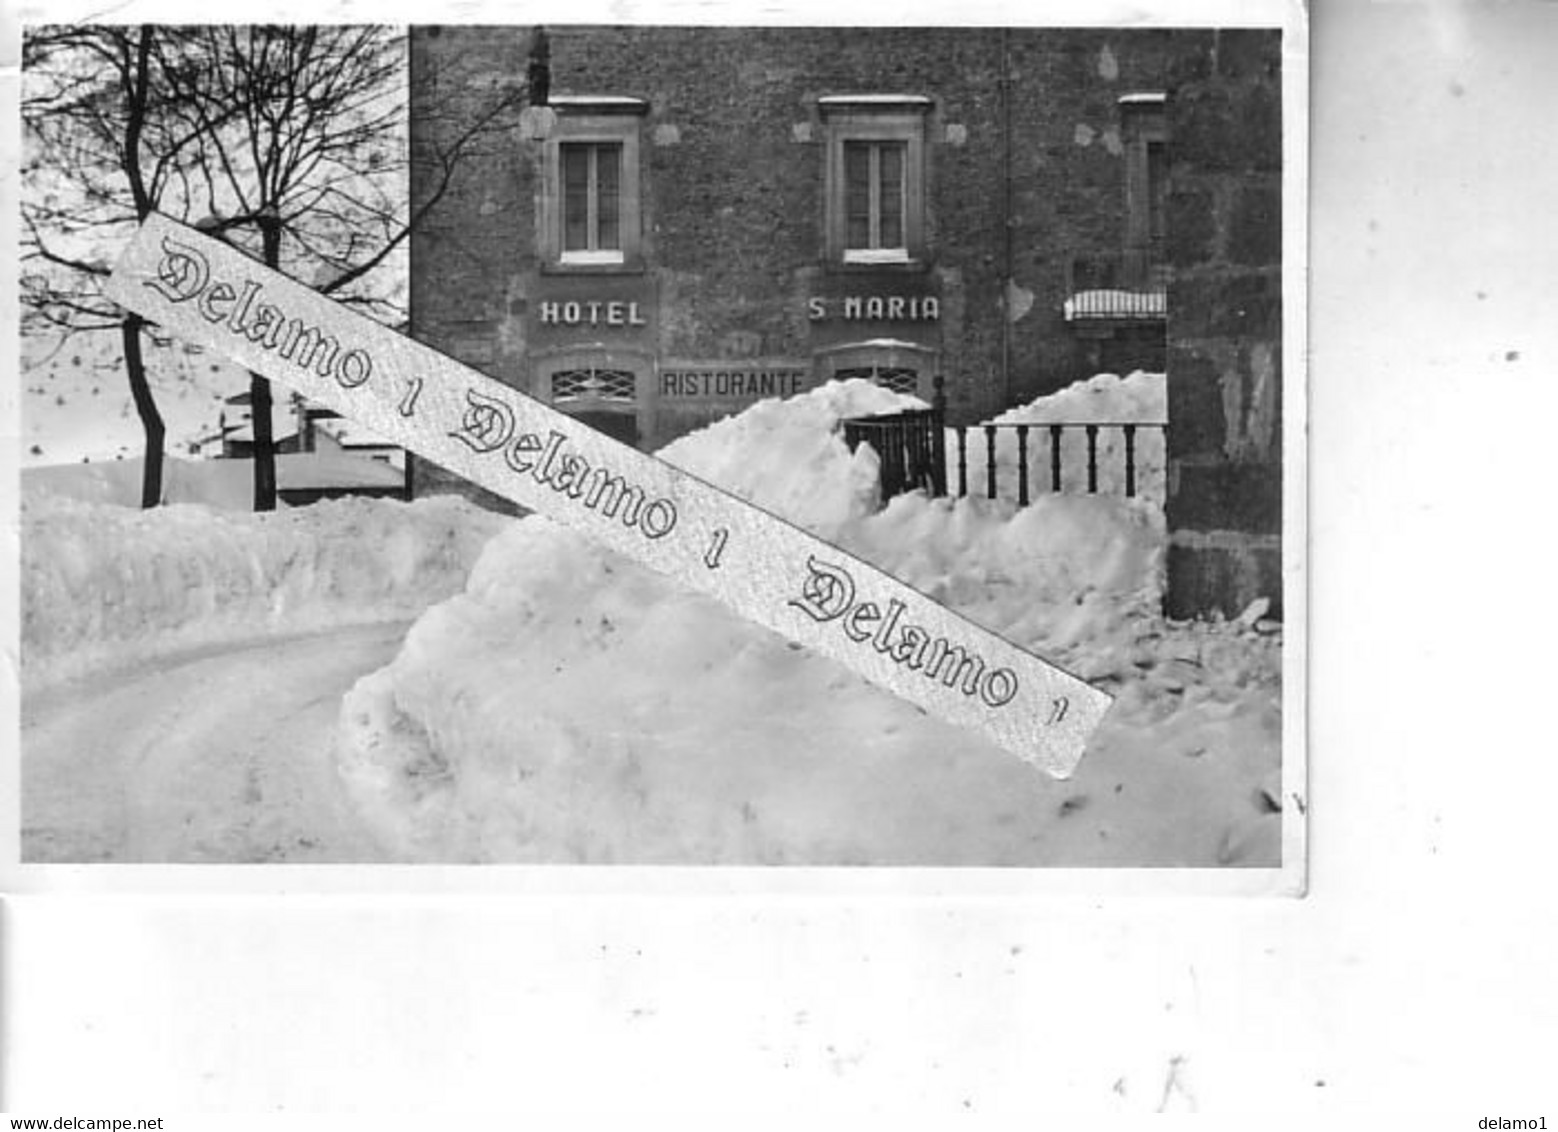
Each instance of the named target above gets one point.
<point>260,397</point>
<point>146,409</point>
<point>134,361</point>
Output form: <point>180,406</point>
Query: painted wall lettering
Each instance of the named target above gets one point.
<point>731,383</point>
<point>591,312</point>
<point>875,308</point>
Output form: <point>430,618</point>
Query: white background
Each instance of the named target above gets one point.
<point>1417,976</point>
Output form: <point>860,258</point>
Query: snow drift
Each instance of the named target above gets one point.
<point>572,706</point>
<point>226,484</point>
<point>103,585</point>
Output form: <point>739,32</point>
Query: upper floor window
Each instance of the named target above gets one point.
<point>592,201</point>
<point>591,197</point>
<point>1144,130</point>
<point>874,192</point>
<point>874,188</point>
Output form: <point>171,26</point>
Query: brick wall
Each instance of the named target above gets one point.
<point>1224,502</point>
<point>1024,170</point>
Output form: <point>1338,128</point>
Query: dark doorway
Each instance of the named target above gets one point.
<point>617,425</point>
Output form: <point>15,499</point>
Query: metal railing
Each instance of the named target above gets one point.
<point>1058,479</point>
<point>911,445</point>
<point>1128,286</point>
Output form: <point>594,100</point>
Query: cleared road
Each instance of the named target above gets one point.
<point>222,755</point>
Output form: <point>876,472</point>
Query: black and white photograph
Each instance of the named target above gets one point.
<point>997,311</point>
<point>901,565</point>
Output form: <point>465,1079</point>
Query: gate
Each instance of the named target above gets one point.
<point>911,445</point>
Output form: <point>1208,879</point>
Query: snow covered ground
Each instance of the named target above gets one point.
<point>225,484</point>
<point>76,406</point>
<point>106,585</point>
<point>571,706</point>
<point>557,703</point>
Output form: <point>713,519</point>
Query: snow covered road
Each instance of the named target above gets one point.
<point>217,755</point>
<point>555,704</point>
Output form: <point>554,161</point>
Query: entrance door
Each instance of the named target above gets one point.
<point>615,424</point>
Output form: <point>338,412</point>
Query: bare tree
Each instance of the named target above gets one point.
<point>314,160</point>
<point>289,142</point>
<point>104,153</point>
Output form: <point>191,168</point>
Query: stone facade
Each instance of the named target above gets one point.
<point>1225,327</point>
<point>1024,170</point>
<point>1033,164</point>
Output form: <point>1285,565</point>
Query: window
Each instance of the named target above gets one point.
<point>874,197</point>
<point>588,383</point>
<point>899,379</point>
<point>592,199</point>
<point>874,187</point>
<point>1145,133</point>
<point>590,206</point>
<point>1157,196</point>
<point>903,367</point>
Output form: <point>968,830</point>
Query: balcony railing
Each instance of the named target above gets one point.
<point>1129,286</point>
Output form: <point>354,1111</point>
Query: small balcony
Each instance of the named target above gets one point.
<point>1119,288</point>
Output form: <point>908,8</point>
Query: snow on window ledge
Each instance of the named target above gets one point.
<point>592,258</point>
<point>876,255</point>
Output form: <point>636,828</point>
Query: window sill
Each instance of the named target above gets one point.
<point>910,266</point>
<point>877,257</point>
<point>611,267</point>
<point>594,259</point>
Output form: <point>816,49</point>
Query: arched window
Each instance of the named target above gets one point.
<point>903,367</point>
<point>900,379</point>
<point>603,388</point>
<point>593,383</point>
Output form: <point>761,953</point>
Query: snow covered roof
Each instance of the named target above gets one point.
<point>304,470</point>
<point>281,428</point>
<point>349,434</point>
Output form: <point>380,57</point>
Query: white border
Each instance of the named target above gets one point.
<point>881,882</point>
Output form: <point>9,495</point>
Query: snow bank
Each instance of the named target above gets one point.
<point>570,706</point>
<point>224,484</point>
<point>104,585</point>
<point>1104,399</point>
<point>1141,397</point>
<point>789,456</point>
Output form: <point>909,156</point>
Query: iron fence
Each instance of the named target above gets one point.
<point>1059,480</point>
<point>913,449</point>
<point>911,446</point>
